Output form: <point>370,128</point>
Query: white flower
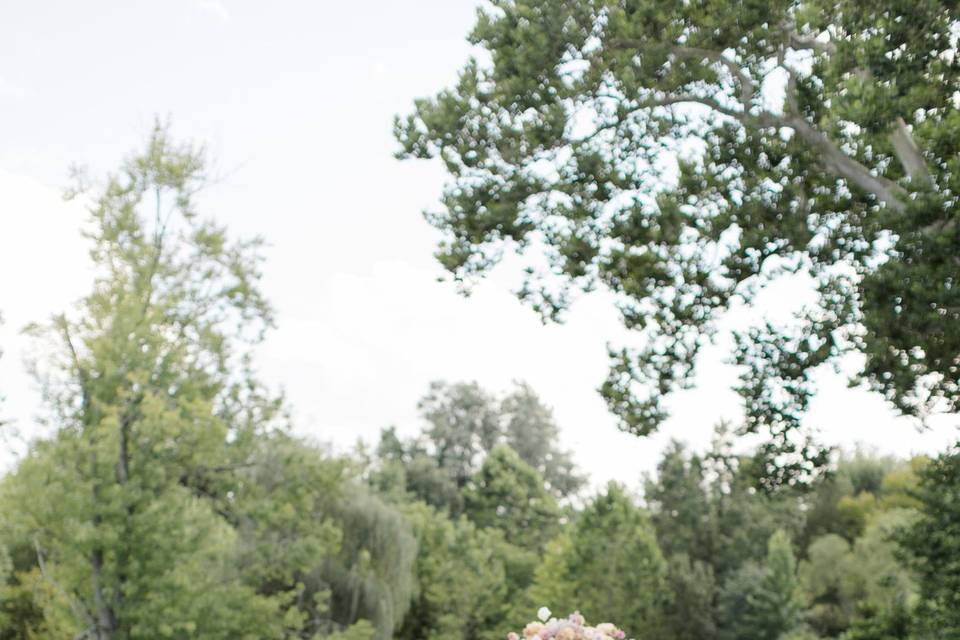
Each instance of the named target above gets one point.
<point>544,614</point>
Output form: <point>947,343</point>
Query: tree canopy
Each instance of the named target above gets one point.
<point>464,424</point>
<point>682,155</point>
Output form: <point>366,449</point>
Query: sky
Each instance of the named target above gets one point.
<point>295,102</point>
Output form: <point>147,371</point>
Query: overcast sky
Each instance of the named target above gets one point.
<point>296,101</point>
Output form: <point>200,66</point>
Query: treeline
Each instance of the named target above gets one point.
<point>698,552</point>
<point>458,533</point>
<point>170,498</point>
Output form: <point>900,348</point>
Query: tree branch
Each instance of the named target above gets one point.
<point>810,43</point>
<point>832,157</point>
<point>886,191</point>
<point>747,86</point>
<point>909,154</point>
<point>63,325</point>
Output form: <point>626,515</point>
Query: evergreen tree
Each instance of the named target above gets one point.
<point>932,545</point>
<point>680,506</point>
<point>509,495</point>
<point>688,608</point>
<point>760,602</point>
<point>607,566</point>
<point>462,590</point>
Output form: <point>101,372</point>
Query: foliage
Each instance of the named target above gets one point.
<point>509,495</point>
<point>170,498</point>
<point>688,606</point>
<point>463,425</point>
<point>760,601</point>
<point>609,563</point>
<point>680,505</point>
<point>372,576</point>
<point>707,508</point>
<point>682,155</point>
<point>933,545</point>
<point>282,504</point>
<point>140,382</point>
<point>461,576</point>
<point>827,579</point>
<point>530,429</point>
<point>409,468</point>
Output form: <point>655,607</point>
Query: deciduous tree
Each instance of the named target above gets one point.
<point>145,384</point>
<point>682,155</point>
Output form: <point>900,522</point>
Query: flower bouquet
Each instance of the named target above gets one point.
<point>573,627</point>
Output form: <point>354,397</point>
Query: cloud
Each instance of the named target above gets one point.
<point>213,10</point>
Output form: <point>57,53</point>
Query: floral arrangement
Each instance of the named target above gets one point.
<point>573,627</point>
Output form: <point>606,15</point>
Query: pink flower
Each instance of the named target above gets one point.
<point>567,633</point>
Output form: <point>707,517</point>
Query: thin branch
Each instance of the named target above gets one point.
<point>832,157</point>
<point>64,327</point>
<point>600,129</point>
<point>747,86</point>
<point>762,119</point>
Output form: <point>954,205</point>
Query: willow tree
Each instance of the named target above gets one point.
<point>147,393</point>
<point>683,154</point>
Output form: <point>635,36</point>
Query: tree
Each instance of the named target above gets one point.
<point>147,386</point>
<point>371,578</point>
<point>684,154</point>
<point>462,582</point>
<point>680,505</point>
<point>508,495</point>
<point>873,625</point>
<point>282,502</point>
<point>688,611</point>
<point>707,508</point>
<point>760,601</point>
<point>530,430</point>
<point>829,581</point>
<point>735,602</point>
<point>888,584</point>
<point>842,502</point>
<point>608,565</point>
<point>932,546</point>
<point>462,424</point>
<point>409,468</point>
<point>777,605</point>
